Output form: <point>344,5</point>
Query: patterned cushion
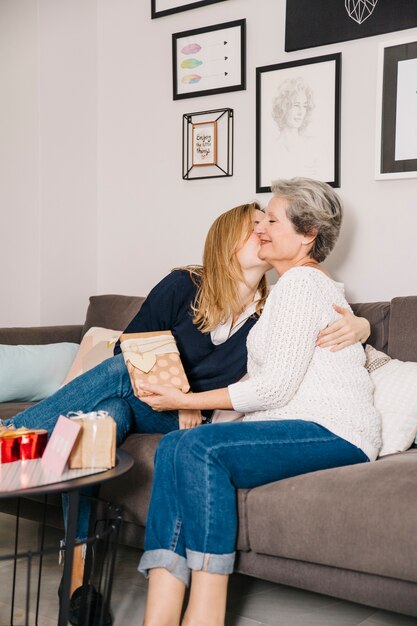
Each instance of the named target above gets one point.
<point>96,346</point>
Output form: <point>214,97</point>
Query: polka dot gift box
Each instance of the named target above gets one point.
<point>153,358</point>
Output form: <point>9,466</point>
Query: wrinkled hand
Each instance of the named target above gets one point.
<point>189,418</point>
<point>345,332</point>
<point>162,397</point>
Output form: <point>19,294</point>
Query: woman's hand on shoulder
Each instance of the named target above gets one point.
<point>346,331</point>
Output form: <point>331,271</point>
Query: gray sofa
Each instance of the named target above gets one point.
<point>348,532</point>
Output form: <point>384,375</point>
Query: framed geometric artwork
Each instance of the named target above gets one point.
<point>311,23</point>
<point>209,60</point>
<point>298,121</point>
<point>160,8</point>
<point>207,144</point>
<point>396,132</point>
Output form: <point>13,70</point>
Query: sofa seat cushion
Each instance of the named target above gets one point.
<point>361,517</point>
<point>133,491</point>
<point>10,409</point>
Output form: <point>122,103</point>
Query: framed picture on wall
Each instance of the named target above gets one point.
<point>312,23</point>
<point>207,144</point>
<point>298,120</point>
<point>209,60</point>
<point>160,8</point>
<point>396,133</point>
<point>204,143</point>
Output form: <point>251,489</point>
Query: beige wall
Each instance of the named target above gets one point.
<point>91,194</point>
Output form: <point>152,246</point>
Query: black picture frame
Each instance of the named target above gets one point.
<point>155,13</point>
<point>289,141</point>
<point>217,158</point>
<point>396,133</point>
<point>218,53</point>
<point>311,23</point>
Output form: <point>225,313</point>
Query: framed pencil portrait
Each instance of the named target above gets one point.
<point>396,131</point>
<point>160,8</point>
<point>209,60</point>
<point>298,121</point>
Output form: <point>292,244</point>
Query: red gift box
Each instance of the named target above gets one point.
<point>22,444</point>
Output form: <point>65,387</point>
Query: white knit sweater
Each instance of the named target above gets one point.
<point>290,378</point>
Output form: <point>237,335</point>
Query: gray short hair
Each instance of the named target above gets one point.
<point>313,205</point>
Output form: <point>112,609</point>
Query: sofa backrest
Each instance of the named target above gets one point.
<point>111,311</point>
<point>402,338</point>
<point>40,335</point>
<point>378,315</point>
<point>394,326</point>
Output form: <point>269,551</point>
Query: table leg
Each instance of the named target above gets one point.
<point>73,501</point>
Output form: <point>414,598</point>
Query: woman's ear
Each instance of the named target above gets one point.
<point>310,237</point>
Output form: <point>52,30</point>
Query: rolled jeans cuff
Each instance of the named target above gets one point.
<point>169,560</point>
<point>212,563</point>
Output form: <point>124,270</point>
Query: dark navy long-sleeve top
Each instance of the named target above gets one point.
<point>207,366</point>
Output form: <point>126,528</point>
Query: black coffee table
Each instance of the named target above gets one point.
<point>72,486</point>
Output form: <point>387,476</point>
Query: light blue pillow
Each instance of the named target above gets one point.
<point>32,373</point>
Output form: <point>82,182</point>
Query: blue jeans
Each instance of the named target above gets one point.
<point>106,387</point>
<point>192,519</point>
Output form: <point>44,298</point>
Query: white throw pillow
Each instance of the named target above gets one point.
<point>395,397</point>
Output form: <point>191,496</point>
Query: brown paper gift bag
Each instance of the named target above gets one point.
<point>154,358</point>
<point>95,446</point>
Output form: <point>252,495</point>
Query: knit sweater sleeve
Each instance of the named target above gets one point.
<point>281,348</point>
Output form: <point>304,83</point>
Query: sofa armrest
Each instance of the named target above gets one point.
<point>39,335</point>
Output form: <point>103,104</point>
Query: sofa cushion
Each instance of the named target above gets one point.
<point>39,335</point>
<point>96,346</point>
<point>378,315</point>
<point>10,409</point>
<point>402,341</point>
<point>31,373</point>
<point>361,517</point>
<point>395,398</point>
<point>111,311</point>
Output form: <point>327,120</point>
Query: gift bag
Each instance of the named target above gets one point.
<point>95,446</point>
<point>153,358</point>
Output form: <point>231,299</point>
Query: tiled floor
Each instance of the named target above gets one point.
<point>252,602</point>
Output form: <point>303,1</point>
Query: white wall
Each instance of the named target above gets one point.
<point>67,157</point>
<point>48,160</point>
<point>164,219</point>
<point>19,202</point>
<point>91,194</point>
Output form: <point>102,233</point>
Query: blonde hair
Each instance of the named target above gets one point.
<point>217,295</point>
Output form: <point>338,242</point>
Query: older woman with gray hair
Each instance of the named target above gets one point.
<point>305,409</point>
